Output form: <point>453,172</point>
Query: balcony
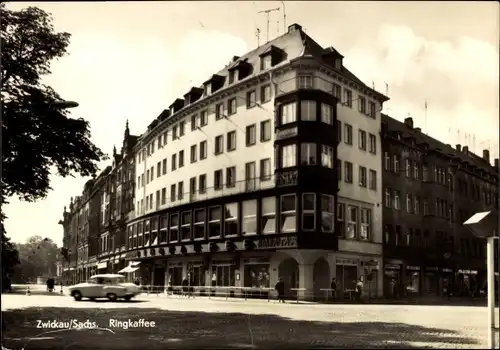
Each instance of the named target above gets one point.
<point>297,83</point>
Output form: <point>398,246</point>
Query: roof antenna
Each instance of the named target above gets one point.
<point>257,34</point>
<point>267,12</point>
<point>284,16</point>
<point>278,28</point>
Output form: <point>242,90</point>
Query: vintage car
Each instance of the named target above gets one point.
<point>111,286</point>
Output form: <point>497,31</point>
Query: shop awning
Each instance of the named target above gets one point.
<point>102,265</point>
<point>128,269</point>
<point>155,242</point>
<point>134,263</point>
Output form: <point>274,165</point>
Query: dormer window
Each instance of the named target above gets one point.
<point>338,63</point>
<point>231,76</point>
<point>208,89</point>
<point>266,62</point>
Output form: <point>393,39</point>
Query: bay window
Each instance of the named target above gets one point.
<point>249,211</point>
<point>308,110</point>
<point>326,114</point>
<point>154,231</point>
<point>288,113</point>
<point>308,211</point>
<point>186,225</point>
<point>174,227</point>
<point>352,222</point>
<point>130,232</point>
<point>214,221</point>
<point>327,156</point>
<point>199,223</point>
<point>366,218</point>
<point>139,235</point>
<point>231,219</point>
<point>288,216</point>
<point>268,215</point>
<point>327,213</point>
<point>134,237</point>
<point>308,154</point>
<point>288,156</point>
<point>163,229</point>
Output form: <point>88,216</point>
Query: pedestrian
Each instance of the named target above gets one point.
<point>280,289</point>
<point>394,288</point>
<point>333,287</point>
<point>185,287</point>
<point>359,290</point>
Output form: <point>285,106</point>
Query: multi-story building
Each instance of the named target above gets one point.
<point>270,169</point>
<point>430,189</point>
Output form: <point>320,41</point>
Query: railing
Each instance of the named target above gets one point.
<point>296,83</point>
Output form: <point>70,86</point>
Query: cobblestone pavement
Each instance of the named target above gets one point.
<point>220,323</point>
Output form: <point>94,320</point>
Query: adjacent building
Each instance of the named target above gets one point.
<point>430,189</point>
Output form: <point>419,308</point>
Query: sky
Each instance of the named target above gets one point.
<point>131,60</point>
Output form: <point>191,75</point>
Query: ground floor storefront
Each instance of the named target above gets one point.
<point>307,274</point>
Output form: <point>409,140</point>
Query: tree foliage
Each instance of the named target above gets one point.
<point>38,257</point>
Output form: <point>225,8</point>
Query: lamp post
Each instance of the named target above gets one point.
<point>65,104</point>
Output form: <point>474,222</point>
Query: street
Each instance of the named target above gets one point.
<point>235,323</point>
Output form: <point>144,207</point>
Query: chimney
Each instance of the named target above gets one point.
<point>465,149</point>
<point>235,58</point>
<point>486,155</point>
<point>458,147</point>
<point>294,27</point>
<point>418,129</point>
<point>496,163</point>
<point>409,122</point>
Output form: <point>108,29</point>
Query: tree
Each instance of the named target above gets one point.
<point>37,133</point>
<point>38,257</point>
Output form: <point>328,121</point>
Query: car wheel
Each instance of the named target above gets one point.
<point>77,295</point>
<point>111,296</point>
<point>127,298</point>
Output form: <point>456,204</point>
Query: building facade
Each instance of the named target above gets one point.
<point>270,169</point>
<point>430,189</point>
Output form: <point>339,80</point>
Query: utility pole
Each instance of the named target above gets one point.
<point>284,16</point>
<point>257,34</point>
<point>267,12</point>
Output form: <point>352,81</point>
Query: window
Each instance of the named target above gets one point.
<point>174,227</point>
<point>203,118</point>
<point>339,169</point>
<point>348,98</point>
<point>416,171</point>
<point>372,180</point>
<point>203,150</point>
<point>266,62</point>
<point>231,177</point>
<point>339,131</point>
<point>327,156</point>
<point>352,222</point>
<point>362,104</point>
<point>181,159</point>
<point>265,169</point>
<point>308,211</point>
<point>219,144</point>
<point>373,144</point>
<point>231,219</point>
<point>214,222</point>
<point>172,193</point>
<point>408,167</point>
<point>164,166</point>
<point>186,225</point>
<point>250,176</point>
<point>395,162</point>
<point>387,161</point>
<point>265,130</point>
<point>165,137</point>
<point>409,203</point>
<point>199,223</point>
<point>219,111</point>
<point>372,112</point>
<point>308,154</point>
<point>231,141</point>
<point>231,106</point>
<point>160,141</point>
<point>337,91</point>
<point>396,196</point>
<point>173,163</point>
<point>362,176</point>
<point>251,135</point>
<point>326,114</point>
<point>251,99</point>
<point>147,176</point>
<point>163,196</point>
<point>288,213</point>
<point>327,213</point>
<point>416,205</point>
<point>180,190</point>
<point>202,183</point>
<point>305,81</point>
<point>152,173</point>
<point>157,198</point>
<point>347,134</point>
<point>192,186</point>
<point>194,153</point>
<point>158,169</point>
<point>265,94</point>
<point>194,122</point>
<point>308,110</point>
<point>218,180</point>
<point>348,172</point>
<point>174,132</point>
<point>268,215</point>
<point>426,206</point>
<point>249,210</point>
<point>362,139</point>
<point>288,156</point>
<point>182,126</point>
<point>366,218</point>
<point>289,113</point>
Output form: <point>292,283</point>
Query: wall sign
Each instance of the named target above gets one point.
<point>287,133</point>
<point>287,178</point>
<point>281,242</point>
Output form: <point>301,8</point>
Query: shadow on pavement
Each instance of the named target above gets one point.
<point>174,329</point>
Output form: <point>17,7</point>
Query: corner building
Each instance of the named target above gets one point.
<point>270,169</point>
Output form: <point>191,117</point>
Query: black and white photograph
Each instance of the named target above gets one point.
<point>250,175</point>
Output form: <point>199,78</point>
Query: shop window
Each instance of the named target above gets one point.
<point>352,222</point>
<point>257,276</point>
<point>223,275</point>
<point>186,225</point>
<point>214,221</point>
<point>268,212</point>
<point>199,223</point>
<point>163,228</point>
<point>197,276</point>
<point>309,211</point>
<point>288,207</point>
<point>327,213</point>
<point>249,210</point>
<point>366,219</point>
<point>175,276</point>
<point>174,227</point>
<point>231,219</point>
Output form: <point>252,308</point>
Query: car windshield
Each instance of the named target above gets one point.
<point>106,280</point>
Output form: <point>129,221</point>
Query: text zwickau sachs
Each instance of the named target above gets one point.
<point>70,324</point>
<point>130,324</point>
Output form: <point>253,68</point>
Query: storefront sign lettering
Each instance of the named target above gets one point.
<point>287,133</point>
<point>287,178</point>
<point>282,242</point>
